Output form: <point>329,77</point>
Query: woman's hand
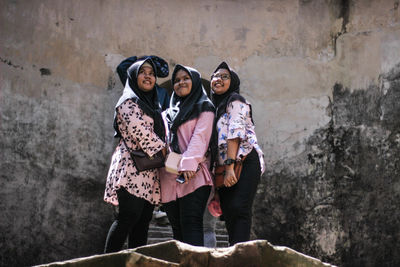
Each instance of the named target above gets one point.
<point>231,153</point>
<point>188,175</point>
<point>230,177</point>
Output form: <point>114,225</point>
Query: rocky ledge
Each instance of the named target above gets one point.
<point>175,253</point>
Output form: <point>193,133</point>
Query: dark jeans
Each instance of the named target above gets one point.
<point>186,216</point>
<point>133,219</point>
<point>237,201</point>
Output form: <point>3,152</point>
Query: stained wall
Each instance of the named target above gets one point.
<point>322,76</point>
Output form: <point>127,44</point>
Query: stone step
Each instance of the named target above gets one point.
<point>152,240</point>
<point>166,233</point>
<point>161,234</point>
<point>220,243</point>
<point>154,227</point>
<point>160,230</point>
<point>219,225</point>
<point>157,230</point>
<point>220,232</point>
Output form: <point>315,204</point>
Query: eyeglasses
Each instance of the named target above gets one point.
<point>222,77</point>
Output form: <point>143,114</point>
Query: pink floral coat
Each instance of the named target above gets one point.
<point>137,130</point>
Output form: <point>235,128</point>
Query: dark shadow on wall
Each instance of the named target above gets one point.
<point>348,197</point>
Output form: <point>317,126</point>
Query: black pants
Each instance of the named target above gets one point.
<point>186,216</point>
<point>133,219</point>
<point>237,201</point>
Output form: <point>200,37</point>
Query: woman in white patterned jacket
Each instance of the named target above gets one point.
<point>234,140</point>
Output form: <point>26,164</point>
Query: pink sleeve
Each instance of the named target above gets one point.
<point>139,128</point>
<point>198,144</point>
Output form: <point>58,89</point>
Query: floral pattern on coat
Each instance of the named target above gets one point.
<point>137,130</point>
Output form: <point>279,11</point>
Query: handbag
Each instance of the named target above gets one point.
<point>172,162</point>
<point>220,172</point>
<point>143,161</point>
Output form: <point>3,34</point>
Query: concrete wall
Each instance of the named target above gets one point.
<point>322,77</point>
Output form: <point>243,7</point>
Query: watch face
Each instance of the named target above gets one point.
<point>229,161</point>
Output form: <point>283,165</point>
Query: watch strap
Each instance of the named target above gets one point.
<point>229,161</point>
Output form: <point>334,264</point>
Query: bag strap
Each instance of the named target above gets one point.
<point>243,158</point>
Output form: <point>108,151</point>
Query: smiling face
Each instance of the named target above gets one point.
<point>146,78</point>
<point>182,83</point>
<point>220,81</point>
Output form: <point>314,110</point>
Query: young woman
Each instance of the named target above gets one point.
<point>162,71</point>
<point>190,122</point>
<point>236,140</point>
<point>138,122</point>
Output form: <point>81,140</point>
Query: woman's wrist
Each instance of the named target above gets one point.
<point>229,163</point>
<point>229,167</point>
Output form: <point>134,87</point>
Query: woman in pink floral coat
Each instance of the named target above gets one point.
<point>138,123</point>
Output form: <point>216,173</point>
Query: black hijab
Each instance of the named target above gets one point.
<point>161,65</point>
<point>183,109</point>
<point>147,101</point>
<point>232,94</point>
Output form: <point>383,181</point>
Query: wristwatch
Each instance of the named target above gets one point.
<point>229,161</point>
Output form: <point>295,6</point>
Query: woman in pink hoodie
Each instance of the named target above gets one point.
<point>190,121</point>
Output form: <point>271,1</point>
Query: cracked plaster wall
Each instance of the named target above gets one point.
<point>322,77</point>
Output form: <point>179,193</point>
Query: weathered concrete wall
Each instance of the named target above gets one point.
<point>332,184</point>
<point>323,77</point>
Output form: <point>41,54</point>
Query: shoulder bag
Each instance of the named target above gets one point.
<point>143,161</point>
<point>220,172</point>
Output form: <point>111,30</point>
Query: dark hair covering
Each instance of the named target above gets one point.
<point>232,94</point>
<point>162,71</point>
<point>147,101</point>
<point>183,109</point>
<point>221,102</point>
<point>161,65</point>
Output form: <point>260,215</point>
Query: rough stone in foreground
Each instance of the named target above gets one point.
<point>175,253</point>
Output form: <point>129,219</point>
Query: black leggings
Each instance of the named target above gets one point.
<point>237,201</point>
<point>186,216</point>
<point>133,219</point>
